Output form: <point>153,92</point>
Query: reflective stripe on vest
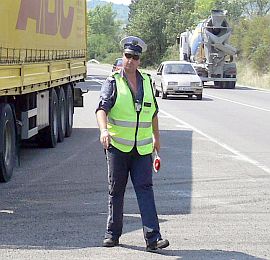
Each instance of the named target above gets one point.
<point>122,119</point>
<point>129,124</point>
<point>131,143</point>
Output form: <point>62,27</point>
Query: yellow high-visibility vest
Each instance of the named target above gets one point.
<point>127,127</point>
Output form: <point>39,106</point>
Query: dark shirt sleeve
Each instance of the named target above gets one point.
<point>107,95</point>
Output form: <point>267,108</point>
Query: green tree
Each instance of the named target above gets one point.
<point>147,20</point>
<point>103,32</point>
<point>256,7</point>
<point>203,8</point>
<point>159,24</point>
<point>242,8</point>
<point>179,18</point>
<point>252,38</point>
<point>235,8</point>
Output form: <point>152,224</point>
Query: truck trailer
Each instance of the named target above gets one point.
<point>42,57</point>
<point>208,48</point>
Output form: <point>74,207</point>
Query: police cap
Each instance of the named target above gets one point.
<point>133,45</point>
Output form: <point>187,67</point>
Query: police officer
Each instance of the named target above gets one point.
<point>128,122</point>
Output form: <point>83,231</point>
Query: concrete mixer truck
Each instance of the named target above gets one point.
<point>208,49</point>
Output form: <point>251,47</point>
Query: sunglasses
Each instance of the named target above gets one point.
<point>134,57</point>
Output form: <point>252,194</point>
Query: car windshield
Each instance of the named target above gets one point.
<point>179,69</point>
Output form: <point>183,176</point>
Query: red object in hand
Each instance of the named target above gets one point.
<point>156,162</point>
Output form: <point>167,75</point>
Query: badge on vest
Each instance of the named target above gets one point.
<point>146,104</point>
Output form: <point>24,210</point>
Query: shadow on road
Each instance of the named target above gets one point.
<point>185,98</point>
<point>202,254</point>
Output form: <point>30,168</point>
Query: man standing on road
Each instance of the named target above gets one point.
<point>128,122</point>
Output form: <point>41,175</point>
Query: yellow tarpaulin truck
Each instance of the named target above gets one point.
<point>42,56</point>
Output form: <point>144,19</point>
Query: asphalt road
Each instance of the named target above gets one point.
<point>212,193</point>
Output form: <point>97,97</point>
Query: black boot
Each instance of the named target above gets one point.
<point>109,242</point>
<point>162,243</point>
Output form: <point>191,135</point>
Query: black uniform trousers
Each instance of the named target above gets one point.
<point>120,165</point>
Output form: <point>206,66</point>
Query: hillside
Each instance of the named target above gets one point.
<point>121,10</point>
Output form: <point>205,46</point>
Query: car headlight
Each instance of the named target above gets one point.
<point>172,83</point>
<point>195,84</point>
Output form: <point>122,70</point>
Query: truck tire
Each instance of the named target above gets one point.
<point>69,110</point>
<point>218,84</point>
<point>231,84</point>
<point>199,97</point>
<point>49,135</point>
<point>7,142</point>
<point>62,115</point>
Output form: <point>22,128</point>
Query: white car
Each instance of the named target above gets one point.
<point>177,78</point>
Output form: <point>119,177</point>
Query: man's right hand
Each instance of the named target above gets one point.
<point>105,138</point>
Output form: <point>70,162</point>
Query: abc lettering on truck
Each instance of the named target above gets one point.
<point>42,57</point>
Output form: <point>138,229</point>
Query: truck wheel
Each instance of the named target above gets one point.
<point>224,84</point>
<point>48,136</point>
<point>199,97</point>
<point>62,115</point>
<point>218,84</point>
<point>69,110</point>
<point>231,84</point>
<point>7,142</point>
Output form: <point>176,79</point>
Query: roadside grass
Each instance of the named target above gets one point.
<point>247,76</point>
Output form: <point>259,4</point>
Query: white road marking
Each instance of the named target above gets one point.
<point>164,116</point>
<point>239,155</point>
<point>100,81</point>
<point>239,103</point>
<point>183,126</point>
<point>7,211</point>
